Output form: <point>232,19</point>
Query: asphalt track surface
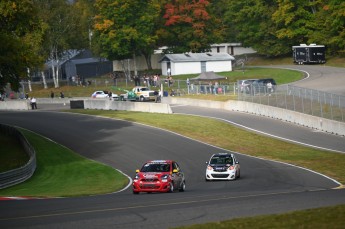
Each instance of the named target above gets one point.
<point>265,187</point>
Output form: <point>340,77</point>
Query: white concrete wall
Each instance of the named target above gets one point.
<point>185,68</point>
<point>314,122</point>
<point>218,66</point>
<point>15,105</point>
<point>195,67</point>
<point>127,106</point>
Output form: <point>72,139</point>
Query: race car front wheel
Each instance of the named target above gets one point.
<point>183,186</point>
<point>171,187</point>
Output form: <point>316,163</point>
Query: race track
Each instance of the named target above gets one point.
<point>265,187</point>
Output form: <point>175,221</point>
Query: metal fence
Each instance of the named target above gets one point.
<point>18,175</point>
<point>303,100</point>
<point>203,88</point>
<point>307,101</point>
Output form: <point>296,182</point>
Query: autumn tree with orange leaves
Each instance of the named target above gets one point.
<point>189,27</point>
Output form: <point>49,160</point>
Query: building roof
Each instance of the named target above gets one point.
<point>197,57</point>
<point>88,60</point>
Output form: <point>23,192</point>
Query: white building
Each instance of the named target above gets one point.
<point>233,49</point>
<point>190,63</point>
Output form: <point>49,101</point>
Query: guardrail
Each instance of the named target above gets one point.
<point>18,175</point>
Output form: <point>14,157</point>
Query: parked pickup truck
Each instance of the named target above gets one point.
<point>139,93</point>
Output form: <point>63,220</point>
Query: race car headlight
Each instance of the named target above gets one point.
<point>136,178</point>
<point>231,168</point>
<point>164,178</point>
<point>209,167</point>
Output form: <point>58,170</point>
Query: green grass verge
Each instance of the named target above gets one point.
<point>281,76</point>
<point>12,154</point>
<point>61,172</point>
<point>328,217</point>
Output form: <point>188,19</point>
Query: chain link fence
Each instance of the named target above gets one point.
<point>307,101</point>
<point>303,100</point>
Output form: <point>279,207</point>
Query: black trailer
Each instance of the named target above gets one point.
<point>309,54</point>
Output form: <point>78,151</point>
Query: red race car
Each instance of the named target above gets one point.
<point>159,176</point>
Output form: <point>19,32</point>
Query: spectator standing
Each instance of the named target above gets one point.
<point>216,85</point>
<point>52,95</point>
<point>33,103</point>
<point>269,88</point>
<point>156,93</point>
<point>155,78</point>
<point>62,95</point>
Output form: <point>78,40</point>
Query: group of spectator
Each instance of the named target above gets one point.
<point>2,96</point>
<point>52,95</point>
<point>147,80</point>
<point>79,81</point>
<point>212,88</point>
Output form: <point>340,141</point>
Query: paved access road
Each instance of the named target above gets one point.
<point>264,187</point>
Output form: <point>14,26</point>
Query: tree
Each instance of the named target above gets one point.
<point>126,27</point>
<point>189,27</point>
<point>64,31</point>
<point>21,35</point>
<point>250,22</point>
<point>330,21</point>
<point>272,27</point>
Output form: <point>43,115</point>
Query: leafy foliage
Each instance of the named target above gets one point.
<point>126,27</point>
<point>272,27</point>
<point>21,36</point>
<point>32,31</point>
<point>189,26</point>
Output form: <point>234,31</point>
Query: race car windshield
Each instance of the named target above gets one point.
<point>221,160</point>
<point>155,168</point>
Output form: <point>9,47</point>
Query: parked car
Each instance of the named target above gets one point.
<point>222,166</point>
<point>244,85</point>
<point>100,94</point>
<point>259,86</point>
<point>115,97</point>
<point>159,176</point>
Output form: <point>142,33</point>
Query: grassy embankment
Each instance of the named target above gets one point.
<point>61,172</point>
<point>323,218</point>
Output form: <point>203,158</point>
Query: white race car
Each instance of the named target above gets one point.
<point>222,166</point>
